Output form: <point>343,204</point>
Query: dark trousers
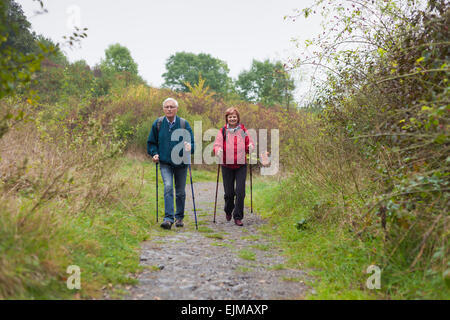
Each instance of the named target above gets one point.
<point>232,177</point>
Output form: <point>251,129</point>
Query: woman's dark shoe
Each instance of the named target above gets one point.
<point>238,222</point>
<point>179,223</point>
<point>228,217</point>
<point>166,225</point>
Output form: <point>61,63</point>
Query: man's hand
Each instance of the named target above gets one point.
<point>155,158</point>
<point>219,153</point>
<point>251,147</point>
<point>187,146</point>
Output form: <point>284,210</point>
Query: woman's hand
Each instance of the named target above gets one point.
<point>219,153</point>
<point>155,158</point>
<point>265,159</point>
<point>187,146</point>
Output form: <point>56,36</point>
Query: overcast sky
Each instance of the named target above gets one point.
<point>235,31</point>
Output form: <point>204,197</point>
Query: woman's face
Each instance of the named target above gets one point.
<point>232,119</point>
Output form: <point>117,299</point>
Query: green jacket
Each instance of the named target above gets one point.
<point>161,142</point>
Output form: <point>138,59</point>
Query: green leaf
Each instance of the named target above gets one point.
<point>440,139</point>
<point>446,276</point>
<point>420,59</point>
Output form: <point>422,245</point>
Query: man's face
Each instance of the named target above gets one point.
<point>170,109</point>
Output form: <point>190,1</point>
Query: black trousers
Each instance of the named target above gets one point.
<point>234,187</point>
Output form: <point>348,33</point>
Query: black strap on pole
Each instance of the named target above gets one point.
<point>193,198</point>
<point>217,187</point>
<point>156,192</point>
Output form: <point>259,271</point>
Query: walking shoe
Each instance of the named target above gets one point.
<point>228,217</point>
<point>238,222</point>
<point>166,225</point>
<point>179,223</point>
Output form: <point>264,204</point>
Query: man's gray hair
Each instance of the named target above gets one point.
<point>170,99</point>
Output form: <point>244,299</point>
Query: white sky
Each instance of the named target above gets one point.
<point>235,31</point>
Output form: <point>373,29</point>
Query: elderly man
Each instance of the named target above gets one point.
<point>173,160</point>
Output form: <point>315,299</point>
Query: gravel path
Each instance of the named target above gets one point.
<point>220,261</point>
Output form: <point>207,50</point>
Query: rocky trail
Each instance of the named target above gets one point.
<point>220,261</point>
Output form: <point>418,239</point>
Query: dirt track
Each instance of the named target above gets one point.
<point>220,261</point>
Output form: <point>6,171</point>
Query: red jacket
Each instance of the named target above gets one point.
<point>235,146</point>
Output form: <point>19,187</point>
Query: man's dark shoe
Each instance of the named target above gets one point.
<point>179,223</point>
<point>228,217</point>
<point>238,222</point>
<point>166,225</point>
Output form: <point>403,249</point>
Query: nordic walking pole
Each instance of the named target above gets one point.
<point>217,187</point>
<point>193,198</point>
<point>251,182</point>
<point>157,192</point>
<point>251,188</point>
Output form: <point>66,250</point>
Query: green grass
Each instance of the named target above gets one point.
<point>251,237</point>
<point>103,241</point>
<point>247,255</point>
<point>205,230</point>
<point>243,269</point>
<point>221,244</point>
<point>153,268</point>
<point>277,267</point>
<point>262,247</point>
<point>292,279</point>
<point>215,236</point>
<point>330,252</point>
<point>104,247</point>
<point>202,175</point>
<point>332,257</point>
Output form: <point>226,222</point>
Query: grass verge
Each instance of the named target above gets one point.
<point>103,240</point>
<point>336,261</point>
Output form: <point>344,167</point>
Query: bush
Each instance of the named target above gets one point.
<point>385,108</point>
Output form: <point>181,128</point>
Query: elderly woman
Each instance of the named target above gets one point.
<point>231,146</point>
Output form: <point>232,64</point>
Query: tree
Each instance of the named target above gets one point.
<point>117,70</point>
<point>56,56</point>
<point>201,97</point>
<point>16,28</point>
<point>267,83</point>
<point>184,67</point>
<point>17,61</point>
<point>17,46</point>
<point>78,79</point>
<point>118,58</point>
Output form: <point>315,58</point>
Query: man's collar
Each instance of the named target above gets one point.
<point>174,119</point>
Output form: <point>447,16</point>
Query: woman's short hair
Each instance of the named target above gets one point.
<point>170,99</point>
<point>231,111</point>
